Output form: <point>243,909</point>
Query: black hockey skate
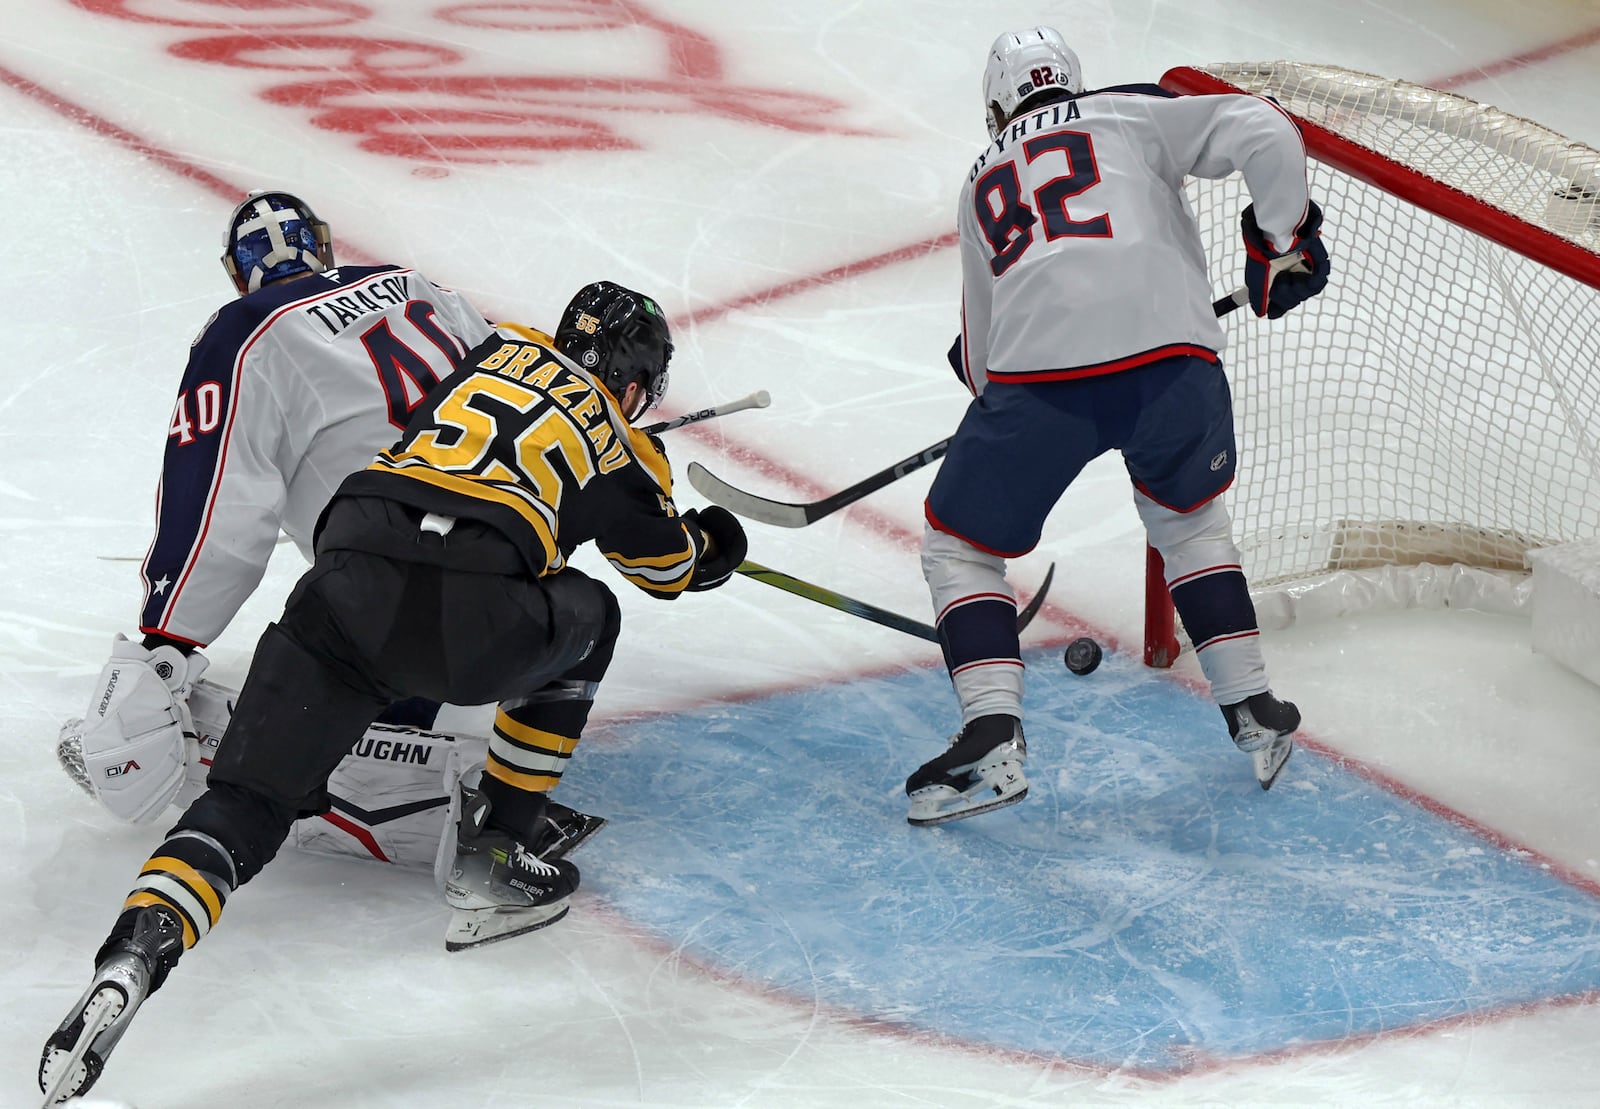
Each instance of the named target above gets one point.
<point>980,771</point>
<point>1263,727</point>
<point>499,887</point>
<point>130,970</point>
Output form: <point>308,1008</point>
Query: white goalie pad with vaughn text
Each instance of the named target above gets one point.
<point>391,793</point>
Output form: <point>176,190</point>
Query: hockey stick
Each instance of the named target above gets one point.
<point>779,580</point>
<point>1236,299</point>
<point>758,399</point>
<point>786,514</point>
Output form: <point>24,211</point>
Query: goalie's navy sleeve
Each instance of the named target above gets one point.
<point>287,391</point>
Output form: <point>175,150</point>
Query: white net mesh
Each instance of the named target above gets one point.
<point>1440,402</point>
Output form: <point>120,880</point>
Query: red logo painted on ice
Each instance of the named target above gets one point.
<point>409,88</point>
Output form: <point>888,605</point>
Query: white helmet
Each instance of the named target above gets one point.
<point>1023,64</point>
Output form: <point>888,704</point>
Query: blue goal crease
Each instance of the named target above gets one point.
<point>1146,906</point>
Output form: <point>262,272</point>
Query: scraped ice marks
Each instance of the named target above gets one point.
<point>408,95</point>
<point>1147,909</point>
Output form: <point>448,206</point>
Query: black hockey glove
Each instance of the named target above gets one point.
<point>1280,281</point>
<point>727,533</point>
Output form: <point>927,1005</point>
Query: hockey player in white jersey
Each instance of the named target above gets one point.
<point>289,388</point>
<point>1086,327</point>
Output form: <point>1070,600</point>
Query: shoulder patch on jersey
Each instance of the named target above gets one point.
<point>201,334</point>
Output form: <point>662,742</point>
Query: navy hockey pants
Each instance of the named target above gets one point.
<point>1020,445</point>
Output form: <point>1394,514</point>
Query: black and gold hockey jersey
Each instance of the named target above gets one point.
<point>523,440</point>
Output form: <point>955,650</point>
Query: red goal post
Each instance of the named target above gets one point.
<point>1437,410</point>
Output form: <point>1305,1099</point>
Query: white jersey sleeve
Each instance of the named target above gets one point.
<point>1079,253</point>
<point>287,391</point>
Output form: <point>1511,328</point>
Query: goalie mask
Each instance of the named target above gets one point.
<point>1024,65</point>
<point>273,235</point>
<point>618,336</point>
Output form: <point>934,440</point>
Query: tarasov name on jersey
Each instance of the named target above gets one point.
<point>336,313</point>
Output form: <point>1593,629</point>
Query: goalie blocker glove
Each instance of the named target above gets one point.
<point>1280,280</point>
<point>731,546</point>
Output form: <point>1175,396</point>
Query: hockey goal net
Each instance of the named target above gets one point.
<point>1439,404</point>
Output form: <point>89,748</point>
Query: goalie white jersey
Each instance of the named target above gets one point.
<point>287,392</point>
<point>1079,253</point>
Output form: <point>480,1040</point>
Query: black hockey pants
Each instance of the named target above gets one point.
<point>365,627</point>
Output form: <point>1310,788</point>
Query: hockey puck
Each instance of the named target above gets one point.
<point>1082,655</point>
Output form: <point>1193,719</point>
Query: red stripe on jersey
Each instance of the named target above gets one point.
<point>1100,369</point>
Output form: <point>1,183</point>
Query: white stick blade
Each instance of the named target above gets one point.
<point>740,503</point>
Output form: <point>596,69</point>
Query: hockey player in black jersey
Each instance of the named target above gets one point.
<point>441,571</point>
<point>288,389</point>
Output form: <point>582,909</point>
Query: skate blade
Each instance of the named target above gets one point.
<point>476,927</point>
<point>1270,761</point>
<point>927,812</point>
<point>573,829</point>
<point>64,1074</point>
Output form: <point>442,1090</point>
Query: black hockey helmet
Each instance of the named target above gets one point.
<point>619,336</point>
<point>271,235</point>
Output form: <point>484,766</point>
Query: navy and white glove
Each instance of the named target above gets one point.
<point>729,547</point>
<point>1280,280</point>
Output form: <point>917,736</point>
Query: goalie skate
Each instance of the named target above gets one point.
<point>1263,728</point>
<point>980,772</point>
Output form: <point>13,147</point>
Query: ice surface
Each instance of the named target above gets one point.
<point>1409,917</point>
